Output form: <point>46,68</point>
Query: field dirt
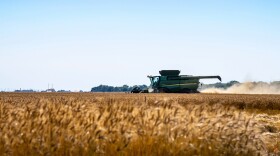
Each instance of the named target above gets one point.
<point>139,124</point>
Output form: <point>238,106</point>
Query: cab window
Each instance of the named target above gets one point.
<point>155,81</point>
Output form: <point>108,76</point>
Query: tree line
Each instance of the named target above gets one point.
<point>220,85</point>
<point>124,88</point>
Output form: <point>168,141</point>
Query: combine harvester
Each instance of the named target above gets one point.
<point>170,81</point>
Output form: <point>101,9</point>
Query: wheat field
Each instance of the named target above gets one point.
<point>139,124</point>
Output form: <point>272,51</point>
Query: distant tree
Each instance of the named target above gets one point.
<point>125,88</point>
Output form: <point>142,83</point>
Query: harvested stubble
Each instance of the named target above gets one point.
<point>125,124</point>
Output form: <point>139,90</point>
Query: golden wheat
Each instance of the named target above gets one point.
<point>142,124</point>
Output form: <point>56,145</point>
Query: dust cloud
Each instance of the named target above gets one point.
<point>248,88</point>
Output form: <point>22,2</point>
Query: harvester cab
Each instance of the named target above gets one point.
<point>154,80</point>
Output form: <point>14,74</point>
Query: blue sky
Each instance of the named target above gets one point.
<point>80,44</point>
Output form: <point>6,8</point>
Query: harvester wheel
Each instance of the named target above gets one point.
<point>186,90</point>
<point>163,90</point>
<point>189,91</point>
<point>196,91</point>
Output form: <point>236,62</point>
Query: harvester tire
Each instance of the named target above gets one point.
<point>186,90</point>
<point>163,90</point>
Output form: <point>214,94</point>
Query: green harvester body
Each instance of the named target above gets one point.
<point>170,81</point>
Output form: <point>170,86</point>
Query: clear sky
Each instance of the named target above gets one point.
<point>80,44</point>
